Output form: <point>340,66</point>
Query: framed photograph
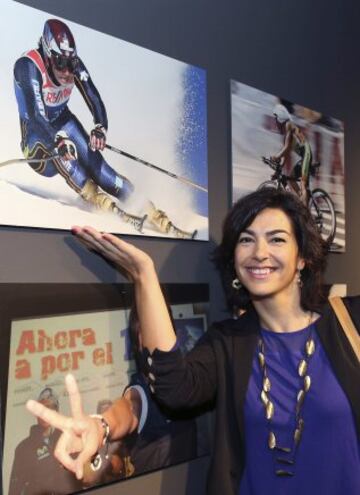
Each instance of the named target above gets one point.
<point>88,330</point>
<point>282,144</point>
<point>99,131</point>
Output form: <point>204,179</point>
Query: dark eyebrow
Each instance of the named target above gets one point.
<point>270,233</point>
<point>278,231</point>
<point>247,231</point>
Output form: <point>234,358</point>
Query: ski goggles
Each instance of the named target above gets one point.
<point>60,62</point>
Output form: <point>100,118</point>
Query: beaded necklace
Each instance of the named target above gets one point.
<point>290,452</point>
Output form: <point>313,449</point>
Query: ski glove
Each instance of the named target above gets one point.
<point>98,138</point>
<point>65,147</point>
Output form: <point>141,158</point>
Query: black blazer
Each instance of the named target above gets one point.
<point>217,371</point>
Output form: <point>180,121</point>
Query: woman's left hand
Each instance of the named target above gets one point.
<point>82,435</point>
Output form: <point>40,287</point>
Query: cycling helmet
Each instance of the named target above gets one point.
<point>58,45</point>
<point>281,113</point>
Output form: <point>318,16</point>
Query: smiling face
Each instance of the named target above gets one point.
<point>267,257</point>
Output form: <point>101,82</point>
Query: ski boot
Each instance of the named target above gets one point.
<point>91,193</point>
<point>162,222</point>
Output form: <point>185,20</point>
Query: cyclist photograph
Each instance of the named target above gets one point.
<point>284,145</point>
<point>294,140</point>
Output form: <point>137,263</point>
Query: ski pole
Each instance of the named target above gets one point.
<point>27,160</point>
<point>155,167</point>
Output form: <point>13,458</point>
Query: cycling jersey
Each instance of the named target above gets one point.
<point>302,148</point>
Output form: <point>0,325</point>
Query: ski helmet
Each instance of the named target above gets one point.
<point>281,113</point>
<point>58,45</point>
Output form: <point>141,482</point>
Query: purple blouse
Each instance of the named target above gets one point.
<point>328,457</point>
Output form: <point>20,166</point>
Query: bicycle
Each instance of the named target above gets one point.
<point>320,204</point>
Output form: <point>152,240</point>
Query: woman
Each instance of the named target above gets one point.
<point>284,380</point>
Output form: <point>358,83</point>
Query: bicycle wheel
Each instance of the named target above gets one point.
<point>323,212</point>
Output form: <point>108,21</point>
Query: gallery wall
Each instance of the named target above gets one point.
<point>303,52</point>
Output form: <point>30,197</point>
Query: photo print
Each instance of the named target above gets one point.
<point>278,143</point>
<point>99,131</point>
<point>102,349</point>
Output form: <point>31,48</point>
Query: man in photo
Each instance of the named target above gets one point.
<point>54,140</point>
<point>35,470</point>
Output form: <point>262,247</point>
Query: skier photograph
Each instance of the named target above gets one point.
<point>52,86</point>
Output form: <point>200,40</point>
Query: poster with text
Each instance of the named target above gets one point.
<point>98,131</point>
<point>278,143</point>
<point>98,349</point>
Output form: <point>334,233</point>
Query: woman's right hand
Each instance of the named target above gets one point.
<point>156,326</point>
<point>126,256</point>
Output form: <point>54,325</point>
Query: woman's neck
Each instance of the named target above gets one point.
<point>282,316</point>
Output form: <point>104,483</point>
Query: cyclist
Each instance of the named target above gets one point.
<point>295,140</point>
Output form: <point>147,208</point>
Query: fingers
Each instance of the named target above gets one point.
<point>69,157</point>
<point>90,444</point>
<point>64,447</point>
<point>102,144</point>
<point>89,232</point>
<point>106,244</point>
<point>103,241</point>
<point>90,238</point>
<point>74,397</point>
<point>53,418</point>
<point>85,456</point>
<point>123,254</point>
<point>93,142</point>
<point>80,433</point>
<point>97,143</point>
<point>115,241</point>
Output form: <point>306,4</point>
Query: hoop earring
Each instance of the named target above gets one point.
<point>299,280</point>
<point>236,284</point>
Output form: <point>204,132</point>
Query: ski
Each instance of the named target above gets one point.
<point>181,234</point>
<point>136,221</point>
<point>160,219</point>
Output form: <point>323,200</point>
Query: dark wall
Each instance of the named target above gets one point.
<point>302,51</point>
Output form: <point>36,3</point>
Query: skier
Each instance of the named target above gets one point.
<point>44,81</point>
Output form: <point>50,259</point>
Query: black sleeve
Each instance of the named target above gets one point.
<point>186,381</point>
<point>17,481</point>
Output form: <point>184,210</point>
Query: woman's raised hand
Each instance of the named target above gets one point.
<point>156,326</point>
<point>134,261</point>
<point>82,435</point>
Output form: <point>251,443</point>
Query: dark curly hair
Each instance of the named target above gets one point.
<point>312,248</point>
